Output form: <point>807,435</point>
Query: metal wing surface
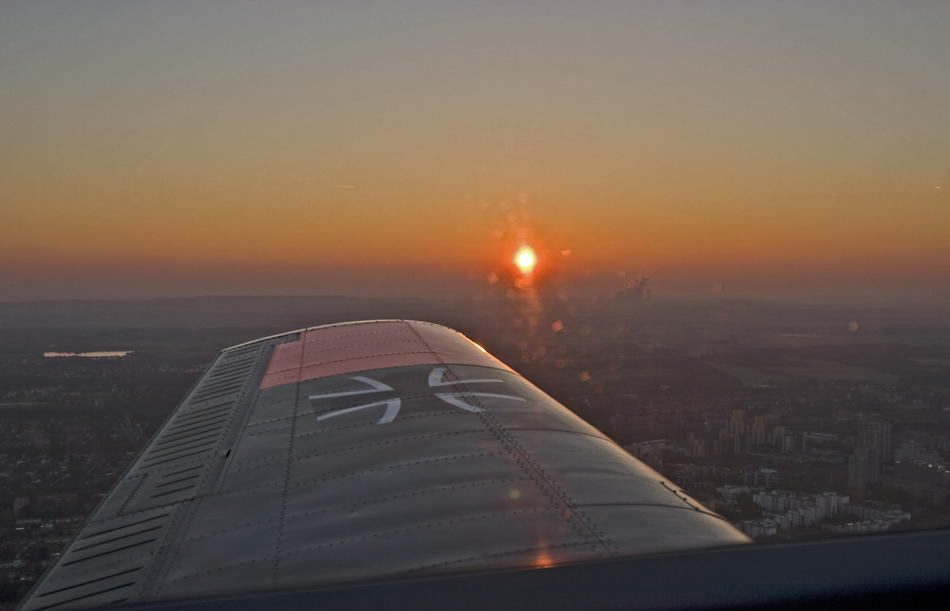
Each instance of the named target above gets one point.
<point>359,453</point>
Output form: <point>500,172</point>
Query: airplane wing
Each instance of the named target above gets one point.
<point>364,453</point>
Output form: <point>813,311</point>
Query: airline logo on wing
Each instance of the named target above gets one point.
<point>462,400</point>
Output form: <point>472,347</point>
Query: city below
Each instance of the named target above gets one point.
<point>791,421</point>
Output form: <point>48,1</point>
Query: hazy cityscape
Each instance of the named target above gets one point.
<point>718,232</point>
<point>791,420</point>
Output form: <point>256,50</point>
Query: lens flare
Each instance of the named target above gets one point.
<point>525,260</point>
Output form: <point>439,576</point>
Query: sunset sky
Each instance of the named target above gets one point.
<point>399,147</point>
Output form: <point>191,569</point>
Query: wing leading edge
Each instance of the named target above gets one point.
<point>359,453</point>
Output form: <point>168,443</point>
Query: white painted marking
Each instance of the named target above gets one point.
<point>451,399</point>
<point>455,398</point>
<point>377,387</point>
<point>392,410</point>
<point>393,405</point>
<point>435,379</point>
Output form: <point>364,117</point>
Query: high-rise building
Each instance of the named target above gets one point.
<point>873,448</point>
<point>829,502</point>
<point>871,440</point>
<point>878,436</point>
<point>699,448</point>
<point>737,423</point>
<point>873,465</point>
<point>857,469</point>
<point>863,467</point>
<point>758,436</point>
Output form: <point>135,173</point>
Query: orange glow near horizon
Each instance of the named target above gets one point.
<point>812,153</point>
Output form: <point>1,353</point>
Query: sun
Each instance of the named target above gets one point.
<point>525,260</point>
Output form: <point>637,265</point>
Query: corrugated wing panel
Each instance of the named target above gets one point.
<point>111,558</point>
